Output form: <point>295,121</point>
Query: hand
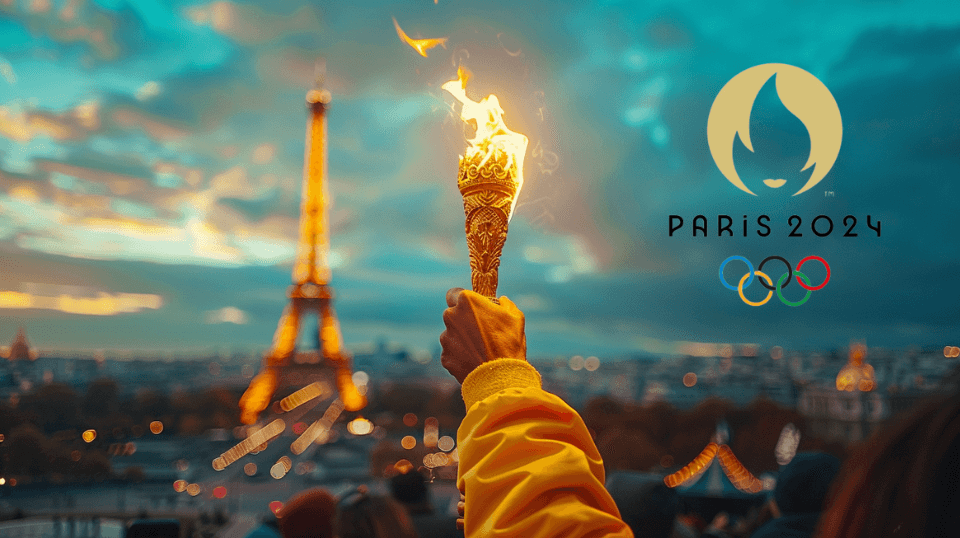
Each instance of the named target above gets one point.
<point>478,331</point>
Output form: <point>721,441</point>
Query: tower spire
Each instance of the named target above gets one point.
<point>310,291</point>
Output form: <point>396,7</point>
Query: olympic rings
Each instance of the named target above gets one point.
<point>785,262</point>
<point>769,293</point>
<point>782,282</point>
<point>724,264</point>
<point>825,280</point>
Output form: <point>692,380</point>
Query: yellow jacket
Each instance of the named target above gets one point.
<point>528,466</point>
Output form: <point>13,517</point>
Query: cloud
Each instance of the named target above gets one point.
<point>73,125</point>
<point>227,314</point>
<point>251,24</point>
<point>77,300</point>
<point>87,24</point>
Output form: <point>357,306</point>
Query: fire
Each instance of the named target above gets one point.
<point>492,136</point>
<point>420,45</point>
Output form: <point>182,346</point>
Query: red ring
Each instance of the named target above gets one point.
<point>819,259</point>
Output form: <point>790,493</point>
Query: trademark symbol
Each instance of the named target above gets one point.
<point>829,194</point>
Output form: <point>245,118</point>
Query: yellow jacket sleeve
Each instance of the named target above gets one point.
<point>528,466</point>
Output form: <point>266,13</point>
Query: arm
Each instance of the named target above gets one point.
<point>528,465</point>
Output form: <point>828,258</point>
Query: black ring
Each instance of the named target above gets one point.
<point>785,262</point>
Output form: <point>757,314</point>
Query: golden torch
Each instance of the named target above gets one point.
<point>490,178</point>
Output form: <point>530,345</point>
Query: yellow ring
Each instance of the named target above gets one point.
<point>761,274</point>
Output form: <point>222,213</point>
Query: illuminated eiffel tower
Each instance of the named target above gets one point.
<point>310,292</point>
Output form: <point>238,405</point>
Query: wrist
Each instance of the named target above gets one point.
<point>496,375</point>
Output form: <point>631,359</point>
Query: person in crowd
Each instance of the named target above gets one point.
<point>528,465</point>
<point>646,504</point>
<point>370,516</point>
<point>799,496</point>
<point>903,481</point>
<point>309,514</point>
<point>410,489</point>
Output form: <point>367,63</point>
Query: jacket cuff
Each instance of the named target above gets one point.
<point>493,376</point>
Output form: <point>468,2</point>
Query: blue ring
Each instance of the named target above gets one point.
<point>744,260</point>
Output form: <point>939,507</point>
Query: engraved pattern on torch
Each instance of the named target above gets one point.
<point>489,186</point>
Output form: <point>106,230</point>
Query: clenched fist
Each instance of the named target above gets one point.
<point>478,331</point>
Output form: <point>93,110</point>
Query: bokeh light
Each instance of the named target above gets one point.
<point>180,486</point>
<point>410,420</point>
<point>689,379</point>
<point>360,426</point>
<point>156,427</point>
<point>275,506</point>
<point>89,435</point>
<point>219,492</point>
<point>591,364</point>
<point>408,442</point>
<point>250,469</point>
<point>281,468</point>
<point>576,363</point>
<point>446,443</point>
<point>360,378</point>
<point>193,489</point>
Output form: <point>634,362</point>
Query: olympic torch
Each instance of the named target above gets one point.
<point>489,178</point>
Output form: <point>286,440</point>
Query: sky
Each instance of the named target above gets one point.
<point>151,158</point>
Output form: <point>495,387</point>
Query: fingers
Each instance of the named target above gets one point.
<point>447,317</point>
<point>452,295</point>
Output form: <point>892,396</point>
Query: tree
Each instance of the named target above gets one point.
<point>101,398</point>
<point>55,406</point>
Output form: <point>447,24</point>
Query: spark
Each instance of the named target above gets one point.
<point>420,45</point>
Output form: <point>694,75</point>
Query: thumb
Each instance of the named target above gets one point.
<point>453,294</point>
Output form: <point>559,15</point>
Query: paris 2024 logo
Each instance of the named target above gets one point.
<point>801,93</point>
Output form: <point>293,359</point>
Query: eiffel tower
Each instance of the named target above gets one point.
<point>310,292</point>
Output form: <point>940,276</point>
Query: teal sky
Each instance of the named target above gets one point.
<point>151,156</point>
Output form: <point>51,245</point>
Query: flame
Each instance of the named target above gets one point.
<point>492,133</point>
<point>420,45</point>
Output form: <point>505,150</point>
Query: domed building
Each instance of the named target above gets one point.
<point>20,348</point>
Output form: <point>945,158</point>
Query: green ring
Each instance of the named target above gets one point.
<point>780,293</point>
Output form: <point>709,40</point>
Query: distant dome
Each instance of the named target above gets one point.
<point>20,348</point>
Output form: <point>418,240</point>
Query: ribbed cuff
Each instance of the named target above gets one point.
<point>496,375</point>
